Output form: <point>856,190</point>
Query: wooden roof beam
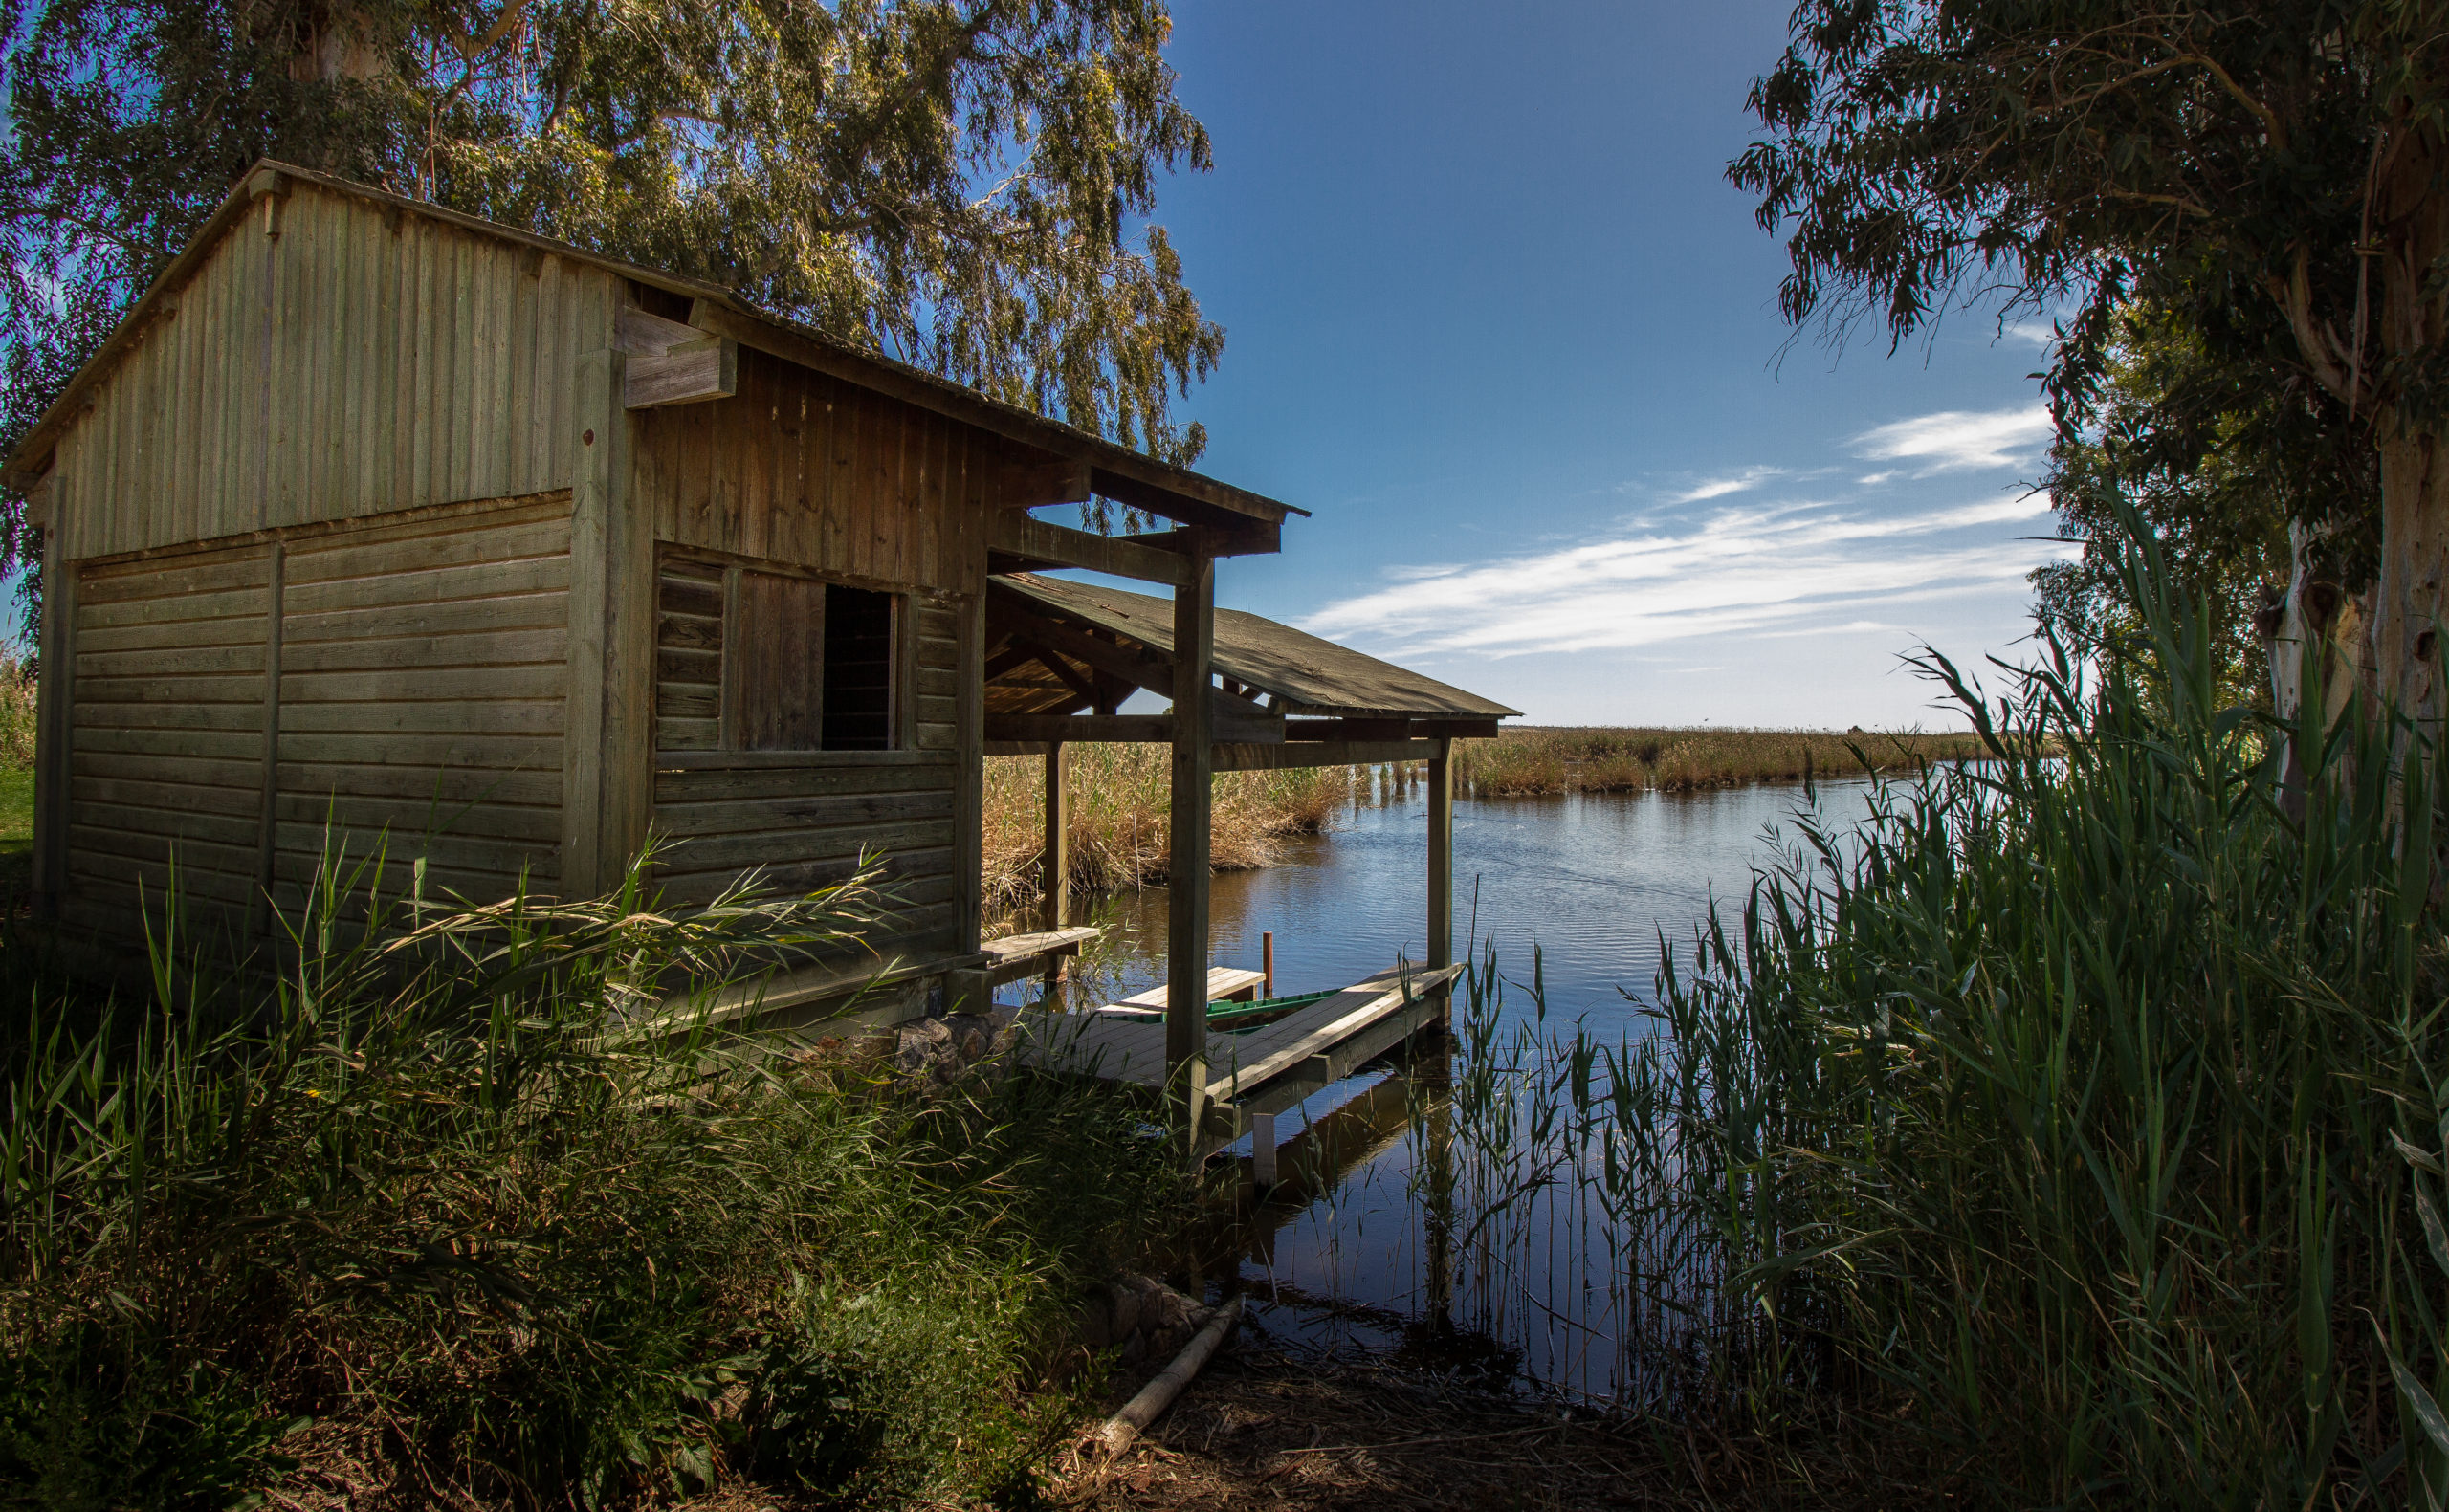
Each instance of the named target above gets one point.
<point>1139,668</point>
<point>1117,556</point>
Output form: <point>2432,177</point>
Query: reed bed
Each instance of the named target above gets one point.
<point>1121,818</point>
<point>430,1221</point>
<point>1630,760</point>
<point>2082,1119</point>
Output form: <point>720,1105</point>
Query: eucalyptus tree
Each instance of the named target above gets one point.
<point>2272,168</point>
<point>2219,455</point>
<point>962,184</point>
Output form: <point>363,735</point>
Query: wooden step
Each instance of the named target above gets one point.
<point>1018,956</point>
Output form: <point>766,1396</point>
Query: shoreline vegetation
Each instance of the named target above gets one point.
<point>1119,805</point>
<point>1542,760</point>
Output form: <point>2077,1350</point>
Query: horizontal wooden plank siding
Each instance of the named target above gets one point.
<point>805,827</point>
<point>165,748</point>
<point>424,677</point>
<point>356,364</point>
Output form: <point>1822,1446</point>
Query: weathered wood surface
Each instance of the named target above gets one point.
<point>798,469</point>
<point>357,365</point>
<point>424,708</point>
<point>200,800</point>
<point>1187,834</point>
<point>1224,983</point>
<point>1304,674</point>
<point>1018,956</point>
<point>1242,1065</point>
<point>1120,556</point>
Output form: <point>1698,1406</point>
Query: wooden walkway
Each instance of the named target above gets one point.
<point>1255,1071</point>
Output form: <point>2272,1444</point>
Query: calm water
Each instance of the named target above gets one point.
<point>1595,884</point>
<point>1593,881</point>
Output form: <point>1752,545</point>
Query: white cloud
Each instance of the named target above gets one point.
<point>1740,571</point>
<point>1955,439</point>
<point>1721,487</point>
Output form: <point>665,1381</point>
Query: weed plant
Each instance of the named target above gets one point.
<point>2081,1116</point>
<point>461,1208</point>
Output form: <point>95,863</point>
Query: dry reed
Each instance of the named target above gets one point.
<point>1621,759</point>
<point>1120,829</point>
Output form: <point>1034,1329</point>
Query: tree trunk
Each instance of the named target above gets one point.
<point>2404,664</point>
<point>2410,235</point>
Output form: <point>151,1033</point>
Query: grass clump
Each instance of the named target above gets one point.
<point>433,1219</point>
<point>1121,818</point>
<point>1524,762</point>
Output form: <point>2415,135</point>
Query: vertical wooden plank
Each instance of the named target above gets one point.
<point>905,673</point>
<point>1441,856</point>
<point>54,692</point>
<point>595,495</point>
<point>259,915</point>
<point>1187,867</point>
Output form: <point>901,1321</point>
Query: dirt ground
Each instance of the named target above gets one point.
<point>1268,1428</point>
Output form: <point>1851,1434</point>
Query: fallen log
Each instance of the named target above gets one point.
<point>1157,1395</point>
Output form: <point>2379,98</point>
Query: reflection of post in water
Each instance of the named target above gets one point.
<point>1433,1076</point>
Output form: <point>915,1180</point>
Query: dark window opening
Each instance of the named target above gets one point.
<point>815,666</point>
<point>858,669</point>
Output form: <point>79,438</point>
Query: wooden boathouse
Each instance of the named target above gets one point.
<point>378,517</point>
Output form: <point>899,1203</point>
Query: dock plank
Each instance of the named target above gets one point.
<point>1240,1064</point>
<point>1222,982</point>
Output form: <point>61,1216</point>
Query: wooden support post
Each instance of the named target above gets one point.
<point>969,741</point>
<point>1441,856</point>
<point>54,723</point>
<point>1263,1151</point>
<point>1267,959</point>
<point>1186,866</point>
<point>608,743</point>
<point>1054,864</point>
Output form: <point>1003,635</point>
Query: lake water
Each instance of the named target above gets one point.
<point>1594,881</point>
<point>1595,884</point>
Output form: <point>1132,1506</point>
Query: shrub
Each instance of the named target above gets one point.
<point>458,1189</point>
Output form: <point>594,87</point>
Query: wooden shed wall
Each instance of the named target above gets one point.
<point>803,469</point>
<point>166,754</point>
<point>805,819</point>
<point>358,364</point>
<point>422,667</point>
<point>424,679</point>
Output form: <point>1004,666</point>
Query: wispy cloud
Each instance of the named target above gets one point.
<point>1721,487</point>
<point>1956,439</point>
<point>1741,570</point>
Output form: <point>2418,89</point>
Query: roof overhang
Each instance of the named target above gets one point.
<point>1055,647</point>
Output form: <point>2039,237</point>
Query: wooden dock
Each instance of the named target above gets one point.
<point>1254,1073</point>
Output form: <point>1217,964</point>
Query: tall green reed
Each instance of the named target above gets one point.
<point>478,1193</point>
<point>2084,1110</point>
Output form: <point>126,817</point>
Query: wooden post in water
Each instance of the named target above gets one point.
<point>1056,858</point>
<point>1186,865</point>
<point>1441,856</point>
<point>1267,959</point>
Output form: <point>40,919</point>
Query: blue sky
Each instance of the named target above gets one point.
<point>1494,314</point>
